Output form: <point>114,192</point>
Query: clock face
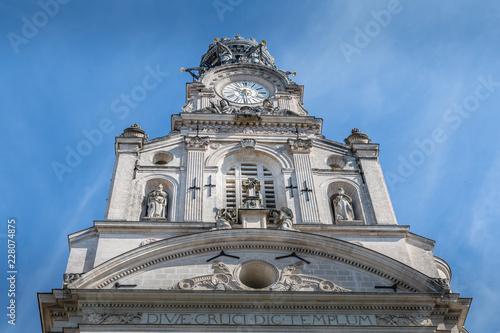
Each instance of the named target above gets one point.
<point>245,92</point>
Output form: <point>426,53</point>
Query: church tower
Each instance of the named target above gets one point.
<point>246,218</point>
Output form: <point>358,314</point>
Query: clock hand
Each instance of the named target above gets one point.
<point>245,93</point>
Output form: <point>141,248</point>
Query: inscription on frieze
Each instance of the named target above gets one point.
<point>257,319</point>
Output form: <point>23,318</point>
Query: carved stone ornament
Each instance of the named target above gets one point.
<point>196,142</point>
<point>403,320</point>
<point>148,241</point>
<point>357,136</point>
<point>134,131</point>
<point>443,283</point>
<point>248,146</point>
<point>71,277</point>
<point>284,218</point>
<point>225,218</point>
<point>112,318</point>
<point>253,199</point>
<point>290,279</point>
<point>300,145</point>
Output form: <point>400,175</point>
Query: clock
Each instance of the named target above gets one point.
<point>245,92</point>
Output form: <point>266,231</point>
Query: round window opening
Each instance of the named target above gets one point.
<point>258,274</point>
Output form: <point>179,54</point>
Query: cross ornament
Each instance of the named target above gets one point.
<point>290,187</point>
<point>194,188</point>
<point>307,190</point>
<point>209,185</point>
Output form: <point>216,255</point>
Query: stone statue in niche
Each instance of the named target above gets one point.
<point>284,218</point>
<point>224,218</point>
<point>342,205</point>
<point>157,203</point>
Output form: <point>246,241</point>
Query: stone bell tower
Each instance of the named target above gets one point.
<point>246,218</point>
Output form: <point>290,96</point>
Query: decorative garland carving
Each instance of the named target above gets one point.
<point>403,320</point>
<point>112,318</point>
<point>290,279</point>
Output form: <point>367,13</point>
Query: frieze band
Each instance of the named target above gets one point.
<point>264,319</point>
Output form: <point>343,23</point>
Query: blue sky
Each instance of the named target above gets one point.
<point>422,78</point>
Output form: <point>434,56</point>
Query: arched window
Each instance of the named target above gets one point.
<point>242,171</point>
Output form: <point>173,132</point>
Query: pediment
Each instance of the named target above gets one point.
<point>194,262</point>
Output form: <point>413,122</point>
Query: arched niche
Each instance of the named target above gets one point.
<point>352,191</point>
<point>168,187</point>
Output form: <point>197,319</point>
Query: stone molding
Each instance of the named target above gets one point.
<point>228,123</point>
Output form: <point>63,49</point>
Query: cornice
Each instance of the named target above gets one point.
<point>228,123</point>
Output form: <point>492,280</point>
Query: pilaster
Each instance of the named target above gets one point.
<point>303,172</point>
<point>193,208</point>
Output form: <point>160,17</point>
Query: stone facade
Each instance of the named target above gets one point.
<point>246,218</point>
